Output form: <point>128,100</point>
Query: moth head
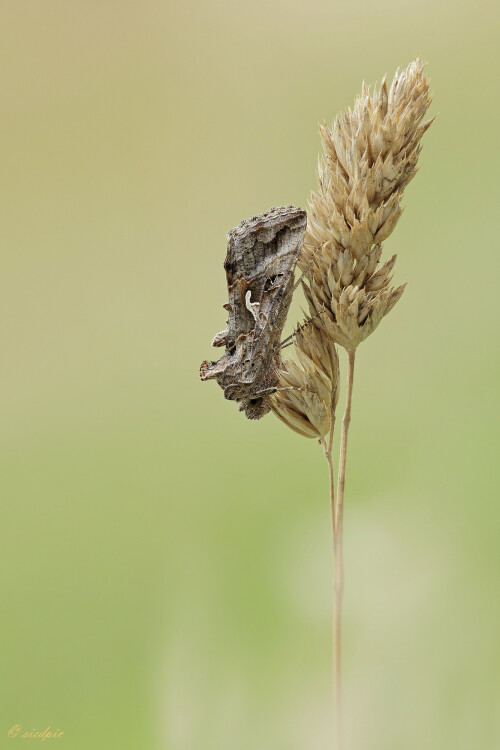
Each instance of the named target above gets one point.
<point>255,408</point>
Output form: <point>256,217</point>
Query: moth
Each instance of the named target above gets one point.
<point>261,256</point>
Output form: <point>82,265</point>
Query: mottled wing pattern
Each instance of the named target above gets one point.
<point>261,256</point>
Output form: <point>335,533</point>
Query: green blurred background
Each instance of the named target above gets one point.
<point>166,564</point>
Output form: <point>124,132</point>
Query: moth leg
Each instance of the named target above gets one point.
<point>274,389</point>
<point>289,339</point>
<point>299,280</point>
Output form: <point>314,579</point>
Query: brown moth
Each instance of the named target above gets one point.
<point>261,256</point>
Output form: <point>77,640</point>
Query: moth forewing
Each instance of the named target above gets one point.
<point>261,256</point>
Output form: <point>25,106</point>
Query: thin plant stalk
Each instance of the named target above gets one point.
<point>338,544</point>
<point>339,515</point>
<point>337,719</point>
<point>327,450</point>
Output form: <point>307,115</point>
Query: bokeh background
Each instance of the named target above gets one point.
<point>166,564</point>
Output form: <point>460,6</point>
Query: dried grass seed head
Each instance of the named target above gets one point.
<point>370,155</point>
<point>310,386</point>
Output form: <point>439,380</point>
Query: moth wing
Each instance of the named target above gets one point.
<point>261,256</point>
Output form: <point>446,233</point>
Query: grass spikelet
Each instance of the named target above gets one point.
<point>370,155</point>
<point>308,388</point>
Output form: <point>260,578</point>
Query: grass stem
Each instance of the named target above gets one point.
<point>338,545</point>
